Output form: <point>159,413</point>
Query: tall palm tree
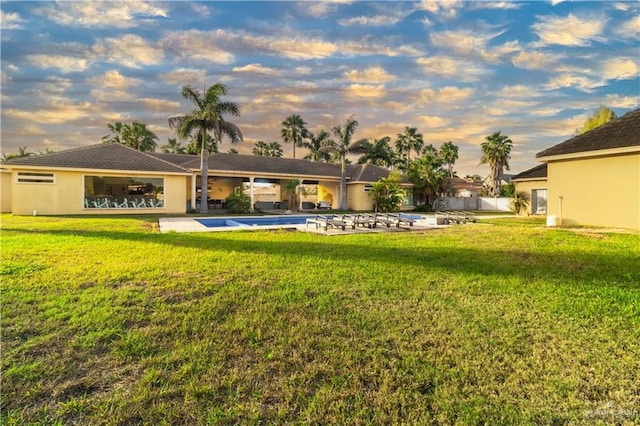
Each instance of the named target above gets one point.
<point>342,147</point>
<point>173,147</point>
<point>449,154</point>
<point>496,152</point>
<point>407,141</point>
<point>294,131</point>
<point>315,143</point>
<point>378,152</point>
<point>207,115</point>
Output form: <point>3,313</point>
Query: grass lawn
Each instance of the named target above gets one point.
<point>107,321</point>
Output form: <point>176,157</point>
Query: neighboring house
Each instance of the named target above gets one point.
<point>534,183</point>
<point>594,178</point>
<point>467,187</point>
<point>113,179</point>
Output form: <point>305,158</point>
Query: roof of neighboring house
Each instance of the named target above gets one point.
<point>620,133</point>
<point>111,156</point>
<point>537,172</point>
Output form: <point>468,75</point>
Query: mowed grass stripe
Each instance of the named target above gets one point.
<point>108,321</point>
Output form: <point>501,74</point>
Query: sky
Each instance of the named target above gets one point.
<point>457,70</point>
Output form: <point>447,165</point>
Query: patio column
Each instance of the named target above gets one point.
<point>251,191</point>
<point>193,191</point>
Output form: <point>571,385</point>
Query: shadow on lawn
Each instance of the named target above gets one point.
<point>623,271</point>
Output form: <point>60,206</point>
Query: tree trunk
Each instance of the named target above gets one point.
<point>204,176</point>
<point>343,186</point>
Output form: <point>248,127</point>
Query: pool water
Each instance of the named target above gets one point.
<point>248,222</point>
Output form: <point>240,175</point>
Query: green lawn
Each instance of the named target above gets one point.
<point>107,321</point>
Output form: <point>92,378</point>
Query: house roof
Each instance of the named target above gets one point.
<point>101,156</point>
<point>120,157</point>
<point>620,133</point>
<point>237,163</point>
<point>537,172</point>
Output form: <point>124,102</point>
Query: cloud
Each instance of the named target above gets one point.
<point>129,50</point>
<point>101,14</point>
<point>160,105</point>
<point>518,91</point>
<point>370,21</point>
<point>366,90</point>
<point>569,31</point>
<point>432,121</point>
<point>629,29</point>
<point>620,69</point>
<point>255,69</point>
<point>442,8</point>
<point>535,60</point>
<point>10,21</point>
<point>461,70</point>
<point>199,45</point>
<point>58,112</point>
<point>369,75</point>
<point>112,86</point>
<point>66,64</point>
<point>320,9</point>
<point>447,94</point>
<point>581,83</point>
<point>184,76</point>
<point>617,101</point>
<point>496,5</point>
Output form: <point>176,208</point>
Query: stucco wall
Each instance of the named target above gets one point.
<point>329,191</point>
<point>66,195</point>
<point>358,199</point>
<point>528,186</point>
<point>5,191</point>
<point>602,191</point>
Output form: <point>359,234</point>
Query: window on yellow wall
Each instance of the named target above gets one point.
<point>35,177</point>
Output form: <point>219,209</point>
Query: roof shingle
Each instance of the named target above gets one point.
<point>101,156</point>
<point>620,133</point>
<point>537,172</point>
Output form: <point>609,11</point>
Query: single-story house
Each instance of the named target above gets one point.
<point>594,178</point>
<point>533,182</point>
<point>113,178</point>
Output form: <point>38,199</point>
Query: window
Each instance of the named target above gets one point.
<point>367,188</point>
<point>122,192</point>
<point>33,177</point>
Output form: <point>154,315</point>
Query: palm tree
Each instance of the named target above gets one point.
<point>274,149</point>
<point>496,152</point>
<point>291,189</point>
<point>294,131</point>
<point>314,144</point>
<point>260,148</point>
<point>194,146</point>
<point>134,135</point>
<point>378,152</point>
<point>233,151</point>
<point>427,175</point>
<point>342,147</point>
<point>173,147</point>
<point>407,141</point>
<point>208,115</point>
<point>449,154</point>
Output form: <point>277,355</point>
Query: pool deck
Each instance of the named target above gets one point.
<point>188,224</point>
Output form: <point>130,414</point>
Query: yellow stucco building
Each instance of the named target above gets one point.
<point>594,179</point>
<point>115,179</point>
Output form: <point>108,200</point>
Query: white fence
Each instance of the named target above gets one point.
<point>473,203</point>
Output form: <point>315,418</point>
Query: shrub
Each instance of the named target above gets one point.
<point>238,202</point>
<point>519,202</point>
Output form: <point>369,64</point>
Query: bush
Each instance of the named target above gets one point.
<point>238,202</point>
<point>519,202</point>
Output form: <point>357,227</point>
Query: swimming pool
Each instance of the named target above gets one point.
<point>251,221</point>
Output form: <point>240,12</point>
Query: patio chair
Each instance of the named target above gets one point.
<point>327,221</point>
<point>385,220</point>
<point>401,220</point>
<point>367,220</point>
<point>348,219</point>
<point>470,217</point>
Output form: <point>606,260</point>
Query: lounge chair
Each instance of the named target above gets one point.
<point>470,217</point>
<point>348,219</point>
<point>385,220</point>
<point>367,220</point>
<point>400,220</point>
<point>327,221</point>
